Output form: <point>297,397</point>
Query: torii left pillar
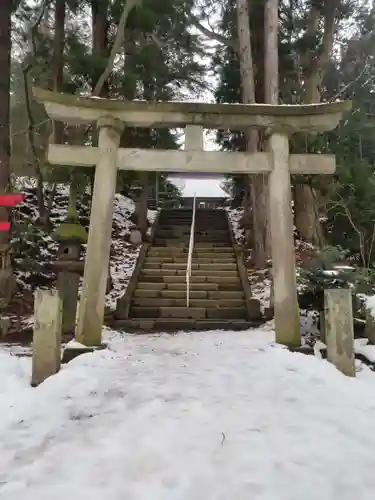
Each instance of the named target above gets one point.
<point>92,303</point>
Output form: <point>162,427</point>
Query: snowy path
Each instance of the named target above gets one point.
<point>213,416</point>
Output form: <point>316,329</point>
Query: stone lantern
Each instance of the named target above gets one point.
<point>71,235</point>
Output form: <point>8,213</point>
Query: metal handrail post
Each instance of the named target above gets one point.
<point>190,254</point>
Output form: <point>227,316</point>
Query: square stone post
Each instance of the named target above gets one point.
<point>287,324</point>
<point>91,308</point>
<point>47,335</point>
<point>338,307</point>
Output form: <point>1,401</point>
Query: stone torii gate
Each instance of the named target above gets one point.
<point>111,116</point>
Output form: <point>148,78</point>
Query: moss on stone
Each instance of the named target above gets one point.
<point>70,230</point>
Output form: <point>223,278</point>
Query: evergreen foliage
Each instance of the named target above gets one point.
<point>161,59</point>
<point>346,201</point>
<point>158,62</point>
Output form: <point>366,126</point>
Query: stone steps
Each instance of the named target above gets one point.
<point>194,285</point>
<point>186,219</point>
<point>220,295</point>
<point>183,250</point>
<point>177,279</point>
<point>199,214</point>
<point>225,259</point>
<point>181,266</point>
<point>138,325</point>
<point>188,312</point>
<point>200,238</point>
<point>174,302</point>
<point>184,242</point>
<point>216,297</point>
<point>175,254</point>
<point>210,272</point>
<point>209,228</point>
<point>185,231</point>
<point>186,226</point>
<point>201,257</point>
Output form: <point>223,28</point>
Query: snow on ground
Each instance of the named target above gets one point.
<point>214,416</point>
<point>362,346</point>
<point>370,304</point>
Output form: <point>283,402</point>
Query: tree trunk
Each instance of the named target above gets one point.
<point>99,10</point>
<point>305,209</point>
<point>307,216</point>
<point>258,183</point>
<point>5,50</point>
<point>99,23</point>
<point>271,70</point>
<point>7,282</point>
<point>57,82</point>
<point>271,60</point>
<point>304,213</point>
<point>58,63</point>
<point>271,52</point>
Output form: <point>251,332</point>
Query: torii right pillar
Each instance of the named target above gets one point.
<point>287,322</point>
<point>287,318</point>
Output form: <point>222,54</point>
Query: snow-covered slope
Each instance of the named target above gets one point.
<point>34,250</point>
<point>213,416</point>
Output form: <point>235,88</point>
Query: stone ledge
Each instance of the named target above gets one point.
<point>72,352</point>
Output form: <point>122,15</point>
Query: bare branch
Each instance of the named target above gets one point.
<point>371,247</point>
<point>340,92</point>
<point>116,47</point>
<point>161,45</point>
<point>362,244</point>
<point>193,81</point>
<point>213,35</point>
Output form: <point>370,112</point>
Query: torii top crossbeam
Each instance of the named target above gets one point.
<point>289,118</point>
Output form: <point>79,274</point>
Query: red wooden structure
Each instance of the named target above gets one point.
<point>9,200</point>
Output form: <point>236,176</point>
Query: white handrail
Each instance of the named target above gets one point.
<point>190,255</point>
